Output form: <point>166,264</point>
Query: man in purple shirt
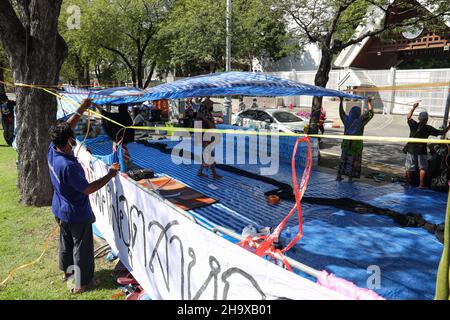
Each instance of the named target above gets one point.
<point>71,205</point>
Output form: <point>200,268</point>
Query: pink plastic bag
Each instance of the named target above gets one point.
<point>346,288</point>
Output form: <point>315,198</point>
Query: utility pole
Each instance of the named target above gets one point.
<point>228,44</point>
<point>447,110</point>
<point>227,103</point>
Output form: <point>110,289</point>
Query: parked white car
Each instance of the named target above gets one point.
<point>270,119</point>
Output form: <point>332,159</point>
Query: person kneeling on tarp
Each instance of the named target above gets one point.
<point>71,205</point>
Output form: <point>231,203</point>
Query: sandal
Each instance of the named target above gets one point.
<point>92,285</point>
<point>128,279</point>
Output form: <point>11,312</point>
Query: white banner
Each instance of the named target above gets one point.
<point>174,258</point>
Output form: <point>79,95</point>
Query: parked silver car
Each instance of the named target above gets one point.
<point>270,119</point>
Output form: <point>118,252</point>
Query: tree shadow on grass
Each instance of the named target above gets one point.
<point>107,282</point>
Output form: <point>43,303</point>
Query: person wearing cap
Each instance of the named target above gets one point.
<point>7,113</point>
<point>416,153</point>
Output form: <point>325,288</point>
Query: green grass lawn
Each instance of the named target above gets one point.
<point>23,231</point>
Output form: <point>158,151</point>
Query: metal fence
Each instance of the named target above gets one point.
<point>391,100</point>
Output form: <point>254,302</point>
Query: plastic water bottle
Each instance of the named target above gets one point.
<point>249,231</point>
<point>110,257</point>
<point>290,232</point>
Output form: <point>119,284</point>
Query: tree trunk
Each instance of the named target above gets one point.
<point>36,52</point>
<point>79,67</point>
<point>150,75</point>
<point>321,80</point>
<point>134,78</point>
<point>87,72</point>
<point>140,74</point>
<point>2,78</point>
<point>36,112</point>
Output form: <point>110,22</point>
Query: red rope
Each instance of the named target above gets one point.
<point>263,245</point>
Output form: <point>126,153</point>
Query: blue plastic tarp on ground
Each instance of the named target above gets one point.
<point>347,244</point>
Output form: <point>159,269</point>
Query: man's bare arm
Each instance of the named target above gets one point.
<point>446,130</point>
<point>370,104</point>
<point>341,110</point>
<point>78,114</point>
<point>410,114</point>
<point>100,183</point>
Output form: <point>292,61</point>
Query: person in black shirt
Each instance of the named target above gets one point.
<point>7,112</point>
<point>416,155</point>
<point>115,131</point>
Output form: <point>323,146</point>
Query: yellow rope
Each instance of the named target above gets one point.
<point>401,87</point>
<point>87,132</point>
<point>46,243</point>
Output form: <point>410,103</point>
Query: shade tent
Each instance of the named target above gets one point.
<point>238,84</point>
<point>118,96</point>
<point>68,103</point>
<point>110,96</point>
<point>217,84</point>
<point>71,97</point>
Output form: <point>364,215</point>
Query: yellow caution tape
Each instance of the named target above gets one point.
<point>248,132</point>
<point>401,87</point>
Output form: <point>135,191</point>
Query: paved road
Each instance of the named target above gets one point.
<point>379,152</point>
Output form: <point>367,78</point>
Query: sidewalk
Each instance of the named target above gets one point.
<point>329,162</point>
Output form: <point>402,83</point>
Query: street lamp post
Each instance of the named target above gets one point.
<point>228,45</point>
<point>227,103</point>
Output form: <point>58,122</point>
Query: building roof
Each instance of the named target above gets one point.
<point>355,78</point>
<point>349,54</point>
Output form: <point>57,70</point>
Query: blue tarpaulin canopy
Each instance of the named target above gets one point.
<point>118,96</point>
<point>237,84</point>
<point>71,97</point>
<point>218,84</point>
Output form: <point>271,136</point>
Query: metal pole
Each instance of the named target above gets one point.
<point>393,82</point>
<point>228,40</point>
<point>227,103</point>
<point>447,110</point>
<point>294,263</point>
